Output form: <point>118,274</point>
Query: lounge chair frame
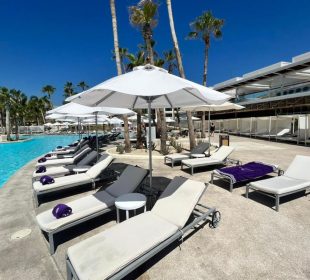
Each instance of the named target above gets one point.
<point>51,234</point>
<point>216,175</point>
<point>275,196</point>
<point>200,217</point>
<point>224,162</point>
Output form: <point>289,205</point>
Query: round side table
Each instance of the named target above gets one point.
<point>81,169</point>
<point>130,201</point>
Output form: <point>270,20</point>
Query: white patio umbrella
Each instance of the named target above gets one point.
<point>213,108</point>
<point>115,121</point>
<point>148,87</point>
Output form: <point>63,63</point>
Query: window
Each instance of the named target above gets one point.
<point>306,89</point>
<point>298,90</point>
<point>291,91</point>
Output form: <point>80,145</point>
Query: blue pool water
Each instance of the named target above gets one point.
<point>15,155</point>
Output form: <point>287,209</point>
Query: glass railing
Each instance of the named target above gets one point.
<point>276,92</point>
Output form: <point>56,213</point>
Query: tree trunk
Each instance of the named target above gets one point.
<point>139,130</point>
<point>126,134</point>
<point>163,138</point>
<point>203,125</point>
<point>158,124</point>
<point>205,73</point>
<point>178,119</point>
<point>43,118</point>
<point>16,130</point>
<point>118,67</point>
<point>205,65</point>
<point>7,124</point>
<point>181,71</point>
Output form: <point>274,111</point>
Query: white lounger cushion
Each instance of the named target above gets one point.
<point>177,156</point>
<point>280,185</point>
<point>56,171</point>
<point>218,157</point>
<point>65,181</point>
<point>178,200</point>
<point>63,161</point>
<point>81,208</point>
<point>95,170</point>
<point>108,252</point>
<point>299,168</point>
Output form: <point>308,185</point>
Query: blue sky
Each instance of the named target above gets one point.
<point>51,42</point>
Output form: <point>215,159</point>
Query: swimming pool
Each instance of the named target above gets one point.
<point>15,155</point>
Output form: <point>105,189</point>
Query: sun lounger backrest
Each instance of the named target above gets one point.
<point>222,153</point>
<point>283,132</point>
<point>81,154</point>
<point>299,168</point>
<point>129,180</point>
<point>80,150</point>
<point>88,159</point>
<point>200,148</point>
<point>95,170</point>
<point>178,200</point>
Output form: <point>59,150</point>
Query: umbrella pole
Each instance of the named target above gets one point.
<point>97,145</point>
<point>209,132</point>
<point>150,142</point>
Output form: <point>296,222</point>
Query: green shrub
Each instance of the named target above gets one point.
<point>120,148</point>
<point>178,147</point>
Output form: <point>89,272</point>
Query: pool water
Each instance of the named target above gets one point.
<point>15,155</point>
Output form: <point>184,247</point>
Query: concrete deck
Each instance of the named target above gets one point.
<point>252,242</point>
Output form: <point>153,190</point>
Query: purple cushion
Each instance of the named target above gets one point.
<point>43,159</point>
<point>41,169</point>
<point>48,155</point>
<point>59,147</point>
<point>45,180</point>
<point>61,210</point>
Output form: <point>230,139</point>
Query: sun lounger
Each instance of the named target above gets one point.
<point>115,252</point>
<point>65,161</point>
<point>198,151</point>
<point>245,172</point>
<point>66,182</point>
<point>295,179</point>
<point>219,157</point>
<point>70,150</point>
<point>91,206</point>
<point>59,171</point>
<point>66,155</point>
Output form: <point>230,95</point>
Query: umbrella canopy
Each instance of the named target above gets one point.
<point>148,84</point>
<point>48,124</point>
<point>115,121</point>
<point>148,87</point>
<point>72,108</point>
<point>214,108</point>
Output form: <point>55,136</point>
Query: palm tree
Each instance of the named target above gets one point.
<point>191,132</point>
<point>82,85</point>
<point>49,90</point>
<point>119,70</point>
<point>203,28</point>
<point>6,99</point>
<point>18,108</point>
<point>143,16</point>
<point>68,89</point>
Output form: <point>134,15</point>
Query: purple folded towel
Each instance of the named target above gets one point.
<point>59,147</point>
<point>48,155</point>
<point>41,169</point>
<point>61,211</point>
<point>45,180</point>
<point>43,159</point>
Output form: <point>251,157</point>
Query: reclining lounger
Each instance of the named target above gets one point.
<point>59,171</point>
<point>76,180</point>
<point>65,161</point>
<point>295,179</point>
<point>219,157</point>
<point>91,206</point>
<point>117,251</point>
<point>198,150</point>
<point>245,172</point>
<point>70,150</point>
<point>54,156</point>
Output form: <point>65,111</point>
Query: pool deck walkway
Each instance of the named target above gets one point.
<point>252,242</point>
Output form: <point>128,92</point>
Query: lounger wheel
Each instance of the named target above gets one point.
<point>216,218</point>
